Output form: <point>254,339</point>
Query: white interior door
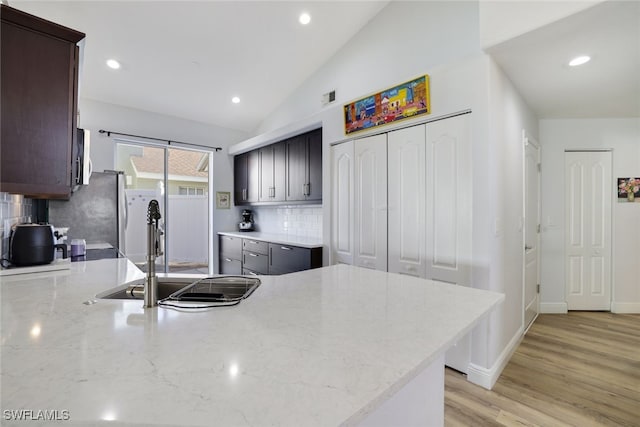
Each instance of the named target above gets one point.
<point>407,163</point>
<point>531,229</point>
<point>342,204</point>
<point>371,202</point>
<point>588,195</point>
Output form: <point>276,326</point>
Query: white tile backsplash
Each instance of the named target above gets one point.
<point>303,221</point>
<point>14,209</point>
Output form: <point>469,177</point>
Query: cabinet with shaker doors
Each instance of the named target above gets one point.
<point>255,256</point>
<point>286,172</point>
<point>39,98</point>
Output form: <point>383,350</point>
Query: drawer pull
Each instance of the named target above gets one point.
<point>254,255</point>
<point>253,241</point>
<point>285,248</point>
<point>228,259</point>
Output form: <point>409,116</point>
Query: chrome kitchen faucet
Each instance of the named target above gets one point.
<point>154,249</point>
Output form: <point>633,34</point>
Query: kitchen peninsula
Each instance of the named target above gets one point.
<point>329,346</point>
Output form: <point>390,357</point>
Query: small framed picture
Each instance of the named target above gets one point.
<point>629,190</point>
<point>223,200</point>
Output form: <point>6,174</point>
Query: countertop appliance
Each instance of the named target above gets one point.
<point>33,244</point>
<point>96,212</point>
<point>247,221</point>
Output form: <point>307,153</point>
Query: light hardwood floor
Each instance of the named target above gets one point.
<point>579,369</point>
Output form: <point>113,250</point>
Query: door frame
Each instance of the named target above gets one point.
<point>526,140</point>
<point>166,146</point>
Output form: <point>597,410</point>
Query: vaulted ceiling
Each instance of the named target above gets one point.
<point>188,59</point>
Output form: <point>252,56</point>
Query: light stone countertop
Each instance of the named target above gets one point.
<point>321,347</point>
<point>281,239</point>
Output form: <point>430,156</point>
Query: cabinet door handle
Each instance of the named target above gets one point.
<point>272,191</point>
<point>252,241</point>
<point>254,255</point>
<point>244,194</point>
<point>78,170</point>
<point>228,259</point>
<point>285,248</point>
<point>270,256</point>
<point>252,273</point>
<point>304,189</point>
<point>308,189</point>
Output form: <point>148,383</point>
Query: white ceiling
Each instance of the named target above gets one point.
<point>188,59</point>
<point>607,86</point>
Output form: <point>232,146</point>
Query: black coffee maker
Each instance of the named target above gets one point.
<point>247,221</point>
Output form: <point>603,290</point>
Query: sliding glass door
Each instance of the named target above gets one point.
<point>179,179</point>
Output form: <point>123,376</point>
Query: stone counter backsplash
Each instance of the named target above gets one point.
<point>14,209</point>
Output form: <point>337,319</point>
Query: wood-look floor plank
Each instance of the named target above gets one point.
<point>579,369</point>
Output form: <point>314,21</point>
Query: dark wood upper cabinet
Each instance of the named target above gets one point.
<point>314,148</point>
<point>39,72</point>
<point>287,171</point>
<point>304,167</point>
<point>272,173</point>
<point>296,168</point>
<point>246,178</point>
<point>240,179</point>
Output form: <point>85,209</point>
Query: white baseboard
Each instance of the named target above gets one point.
<point>625,307</point>
<point>487,377</point>
<point>554,308</point>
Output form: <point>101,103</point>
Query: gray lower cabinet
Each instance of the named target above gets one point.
<point>257,263</point>
<point>230,249</point>
<point>256,257</point>
<point>288,259</point>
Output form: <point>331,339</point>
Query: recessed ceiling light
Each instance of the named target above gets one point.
<point>235,100</point>
<point>579,60</point>
<point>304,18</point>
<point>112,63</point>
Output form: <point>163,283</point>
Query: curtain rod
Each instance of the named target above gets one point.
<point>168,141</point>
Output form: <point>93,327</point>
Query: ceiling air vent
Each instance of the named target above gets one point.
<point>328,97</point>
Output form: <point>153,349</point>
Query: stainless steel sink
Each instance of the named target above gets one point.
<point>219,289</point>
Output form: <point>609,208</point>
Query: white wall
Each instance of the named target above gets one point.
<point>402,42</point>
<point>623,137</point>
<point>508,116</point>
<point>442,40</point>
<point>95,115</point>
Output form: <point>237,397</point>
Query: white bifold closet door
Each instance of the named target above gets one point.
<point>449,200</point>
<point>342,202</point>
<point>371,202</point>
<point>407,227</point>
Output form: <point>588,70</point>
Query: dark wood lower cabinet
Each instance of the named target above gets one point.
<point>254,257</point>
<point>230,266</point>
<point>230,249</point>
<point>288,259</point>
